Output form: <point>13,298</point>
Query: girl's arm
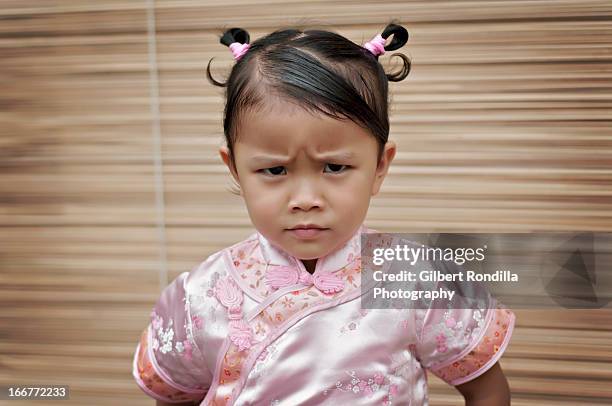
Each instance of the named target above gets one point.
<point>489,389</point>
<point>160,403</point>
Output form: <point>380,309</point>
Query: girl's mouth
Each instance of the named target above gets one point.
<point>307,233</point>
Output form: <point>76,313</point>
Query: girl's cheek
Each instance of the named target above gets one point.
<point>264,199</point>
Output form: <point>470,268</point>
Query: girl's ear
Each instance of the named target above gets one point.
<point>226,158</point>
<point>383,166</point>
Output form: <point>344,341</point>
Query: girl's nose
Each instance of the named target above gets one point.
<point>306,195</point>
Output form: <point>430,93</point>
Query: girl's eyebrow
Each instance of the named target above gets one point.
<point>322,157</point>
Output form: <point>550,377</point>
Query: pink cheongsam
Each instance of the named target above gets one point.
<point>250,326</point>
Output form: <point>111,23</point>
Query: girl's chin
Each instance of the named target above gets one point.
<point>310,255</point>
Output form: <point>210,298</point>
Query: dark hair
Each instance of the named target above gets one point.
<point>320,70</point>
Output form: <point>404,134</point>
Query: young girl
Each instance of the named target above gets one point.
<point>276,319</point>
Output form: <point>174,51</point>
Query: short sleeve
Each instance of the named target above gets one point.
<point>168,364</point>
<point>459,343</point>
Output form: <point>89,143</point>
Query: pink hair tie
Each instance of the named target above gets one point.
<point>239,49</point>
<point>376,45</point>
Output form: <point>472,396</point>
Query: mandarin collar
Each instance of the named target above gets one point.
<point>332,262</point>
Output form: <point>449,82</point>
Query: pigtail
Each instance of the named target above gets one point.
<point>229,37</point>
<point>400,38</point>
<point>235,35</point>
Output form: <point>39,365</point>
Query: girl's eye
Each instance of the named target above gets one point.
<point>274,171</point>
<point>280,170</point>
<point>336,168</point>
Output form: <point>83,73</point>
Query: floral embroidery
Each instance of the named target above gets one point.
<point>210,287</point>
<point>354,323</point>
<point>200,298</point>
<point>155,344</point>
<point>449,328</point>
<point>163,341</point>
<point>287,302</point>
<point>268,355</point>
<point>166,336</point>
<point>367,386</point>
<point>156,321</point>
<point>245,259</point>
<point>496,334</point>
<point>401,363</point>
<point>400,368</point>
<point>441,339</point>
<point>197,322</point>
<point>477,315</point>
<point>184,346</point>
<point>148,377</point>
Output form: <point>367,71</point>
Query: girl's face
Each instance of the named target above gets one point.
<point>295,168</point>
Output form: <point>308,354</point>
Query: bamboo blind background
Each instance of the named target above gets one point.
<point>111,185</point>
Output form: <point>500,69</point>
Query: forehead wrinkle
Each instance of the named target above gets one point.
<point>276,130</point>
